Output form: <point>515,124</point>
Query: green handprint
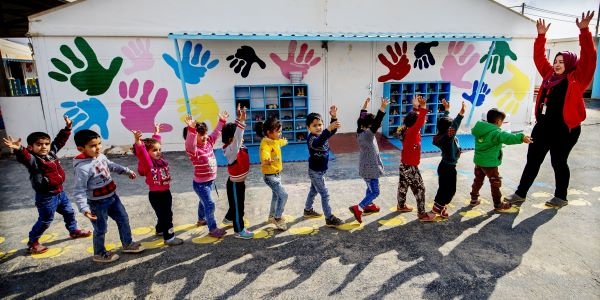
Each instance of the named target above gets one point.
<point>501,51</point>
<point>94,79</point>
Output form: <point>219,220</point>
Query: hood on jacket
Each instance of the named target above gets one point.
<point>482,128</point>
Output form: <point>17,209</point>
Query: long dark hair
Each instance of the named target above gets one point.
<point>271,124</point>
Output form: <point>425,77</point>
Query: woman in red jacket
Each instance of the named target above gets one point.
<point>559,110</point>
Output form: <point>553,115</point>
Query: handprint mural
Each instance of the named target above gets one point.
<point>423,56</point>
<point>194,65</point>
<point>204,108</point>
<point>475,98</point>
<point>139,55</point>
<point>141,115</point>
<point>512,92</point>
<point>500,53</point>
<point>243,59</point>
<point>457,63</point>
<point>89,75</point>
<point>87,113</point>
<point>398,66</point>
<point>301,63</point>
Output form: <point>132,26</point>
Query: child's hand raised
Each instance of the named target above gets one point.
<point>366,103</point>
<point>137,135</point>
<point>446,104</point>
<point>68,121</point>
<point>384,103</point>
<point>157,128</point>
<point>12,143</point>
<point>241,113</point>
<point>463,108</point>
<point>224,115</point>
<point>190,122</point>
<point>421,101</point>
<point>334,125</point>
<point>333,112</point>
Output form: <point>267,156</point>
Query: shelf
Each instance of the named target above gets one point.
<point>401,95</point>
<point>288,102</point>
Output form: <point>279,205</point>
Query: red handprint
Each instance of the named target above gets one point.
<point>399,66</point>
<point>302,63</point>
<point>142,117</point>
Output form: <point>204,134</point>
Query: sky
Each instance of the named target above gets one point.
<point>562,26</point>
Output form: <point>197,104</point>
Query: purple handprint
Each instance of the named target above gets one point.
<point>138,52</point>
<point>142,118</point>
<point>302,63</point>
<point>456,65</point>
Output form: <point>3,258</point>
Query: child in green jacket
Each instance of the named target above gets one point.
<point>488,156</point>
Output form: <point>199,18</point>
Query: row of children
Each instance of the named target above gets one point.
<point>95,190</point>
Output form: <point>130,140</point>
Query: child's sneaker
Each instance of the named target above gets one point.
<point>227,222</point>
<point>355,210</point>
<point>503,207</point>
<point>201,223</point>
<point>311,213</point>
<point>426,217</point>
<point>80,233</point>
<point>403,208</point>
<point>556,202</point>
<point>244,234</point>
<point>36,248</point>
<point>514,199</point>
<point>474,202</point>
<point>280,224</point>
<point>217,233</point>
<point>105,257</point>
<point>333,221</point>
<point>174,241</point>
<point>371,208</point>
<point>134,247</point>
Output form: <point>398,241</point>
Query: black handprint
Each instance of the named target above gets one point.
<point>423,56</point>
<point>243,59</point>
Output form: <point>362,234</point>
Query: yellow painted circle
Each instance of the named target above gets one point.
<point>596,189</point>
<point>393,222</point>
<point>540,195</point>
<point>52,252</point>
<point>205,240</point>
<point>45,238</point>
<point>579,202</point>
<point>541,206</point>
<point>142,230</point>
<point>576,192</point>
<point>481,200</point>
<point>513,209</point>
<point>349,226</point>
<point>157,243</point>
<point>2,239</point>
<point>303,230</point>
<point>185,227</point>
<point>109,247</point>
<point>4,255</point>
<point>473,213</point>
<point>289,218</point>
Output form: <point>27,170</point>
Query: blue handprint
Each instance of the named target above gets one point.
<point>194,67</point>
<point>485,90</point>
<point>92,111</point>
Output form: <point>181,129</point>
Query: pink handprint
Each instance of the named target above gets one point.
<point>456,65</point>
<point>142,118</point>
<point>302,63</point>
<point>399,66</point>
<point>139,54</point>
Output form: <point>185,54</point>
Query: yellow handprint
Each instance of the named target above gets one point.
<point>204,109</point>
<point>513,91</point>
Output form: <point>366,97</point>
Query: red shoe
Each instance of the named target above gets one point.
<point>426,217</point>
<point>36,248</point>
<point>503,207</point>
<point>403,208</point>
<point>371,208</point>
<point>442,211</point>
<point>80,234</point>
<point>201,223</point>
<point>356,212</point>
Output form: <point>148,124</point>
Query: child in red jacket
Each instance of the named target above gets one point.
<point>409,175</point>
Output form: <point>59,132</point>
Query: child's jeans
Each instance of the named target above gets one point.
<point>113,208</point>
<point>410,176</point>
<point>203,189</point>
<point>161,202</point>
<point>495,183</point>
<point>372,192</point>
<point>317,185</point>
<point>279,197</point>
<point>47,205</point>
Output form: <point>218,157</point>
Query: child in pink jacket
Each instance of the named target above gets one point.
<point>155,168</point>
<point>199,147</point>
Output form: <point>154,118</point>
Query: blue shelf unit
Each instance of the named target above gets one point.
<point>401,95</point>
<point>288,102</point>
